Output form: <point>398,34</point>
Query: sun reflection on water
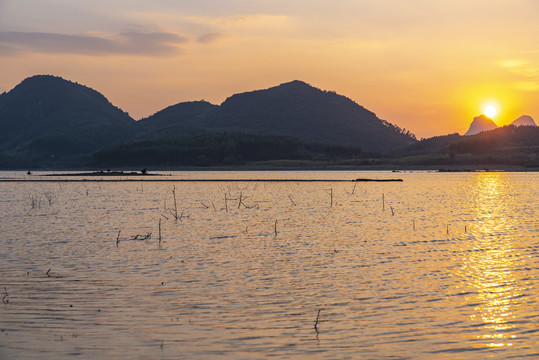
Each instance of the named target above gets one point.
<point>490,261</point>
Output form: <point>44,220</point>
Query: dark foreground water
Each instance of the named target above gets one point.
<point>445,268</point>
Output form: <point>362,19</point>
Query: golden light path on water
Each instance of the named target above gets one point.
<point>490,262</point>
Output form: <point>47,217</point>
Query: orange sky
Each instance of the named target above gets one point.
<point>427,66</point>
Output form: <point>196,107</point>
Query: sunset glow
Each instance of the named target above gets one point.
<point>490,111</point>
<point>423,66</point>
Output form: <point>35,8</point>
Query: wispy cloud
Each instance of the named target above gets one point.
<point>526,71</point>
<point>7,50</point>
<point>245,22</point>
<point>140,43</point>
<point>209,38</point>
<point>527,85</point>
<point>513,63</point>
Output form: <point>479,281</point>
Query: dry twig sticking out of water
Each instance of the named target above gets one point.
<point>159,231</point>
<point>330,192</point>
<point>142,237</point>
<point>384,202</point>
<point>5,299</point>
<point>290,197</point>
<point>175,214</point>
<point>316,322</point>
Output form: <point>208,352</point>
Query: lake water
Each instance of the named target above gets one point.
<point>445,268</point>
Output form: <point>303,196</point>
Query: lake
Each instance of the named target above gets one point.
<point>439,266</point>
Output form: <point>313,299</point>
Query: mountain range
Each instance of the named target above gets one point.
<point>49,121</point>
<point>46,122</point>
<point>291,109</point>
<point>483,123</point>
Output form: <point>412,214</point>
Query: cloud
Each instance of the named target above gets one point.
<point>531,86</point>
<point>124,43</point>
<point>7,50</point>
<point>209,38</point>
<point>526,71</point>
<point>513,63</point>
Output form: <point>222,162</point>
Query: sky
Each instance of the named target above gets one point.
<point>429,66</point>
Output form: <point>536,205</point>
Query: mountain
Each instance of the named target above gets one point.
<point>180,119</point>
<point>524,120</point>
<point>479,124</point>
<point>292,109</point>
<point>46,119</point>
<point>500,142</point>
<point>177,114</point>
<point>508,145</point>
<point>310,114</point>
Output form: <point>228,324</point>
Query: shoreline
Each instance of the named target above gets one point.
<point>129,171</point>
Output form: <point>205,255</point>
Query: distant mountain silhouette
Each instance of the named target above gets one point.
<point>524,120</point>
<point>479,124</point>
<point>292,109</point>
<point>181,119</point>
<point>46,118</point>
<point>507,138</point>
<point>510,145</point>
<point>47,121</point>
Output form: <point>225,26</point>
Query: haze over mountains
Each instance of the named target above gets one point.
<point>479,124</point>
<point>524,120</point>
<point>483,123</point>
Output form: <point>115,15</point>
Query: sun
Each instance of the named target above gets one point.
<point>490,111</point>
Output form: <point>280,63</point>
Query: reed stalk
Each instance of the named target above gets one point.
<point>5,298</point>
<point>290,197</point>
<point>175,206</point>
<point>330,192</point>
<point>316,321</point>
<point>206,206</point>
<point>159,231</point>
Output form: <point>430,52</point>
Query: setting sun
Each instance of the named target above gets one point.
<point>490,111</point>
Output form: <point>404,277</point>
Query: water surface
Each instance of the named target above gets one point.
<point>445,267</point>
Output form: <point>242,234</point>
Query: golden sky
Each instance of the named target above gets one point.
<point>424,65</point>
